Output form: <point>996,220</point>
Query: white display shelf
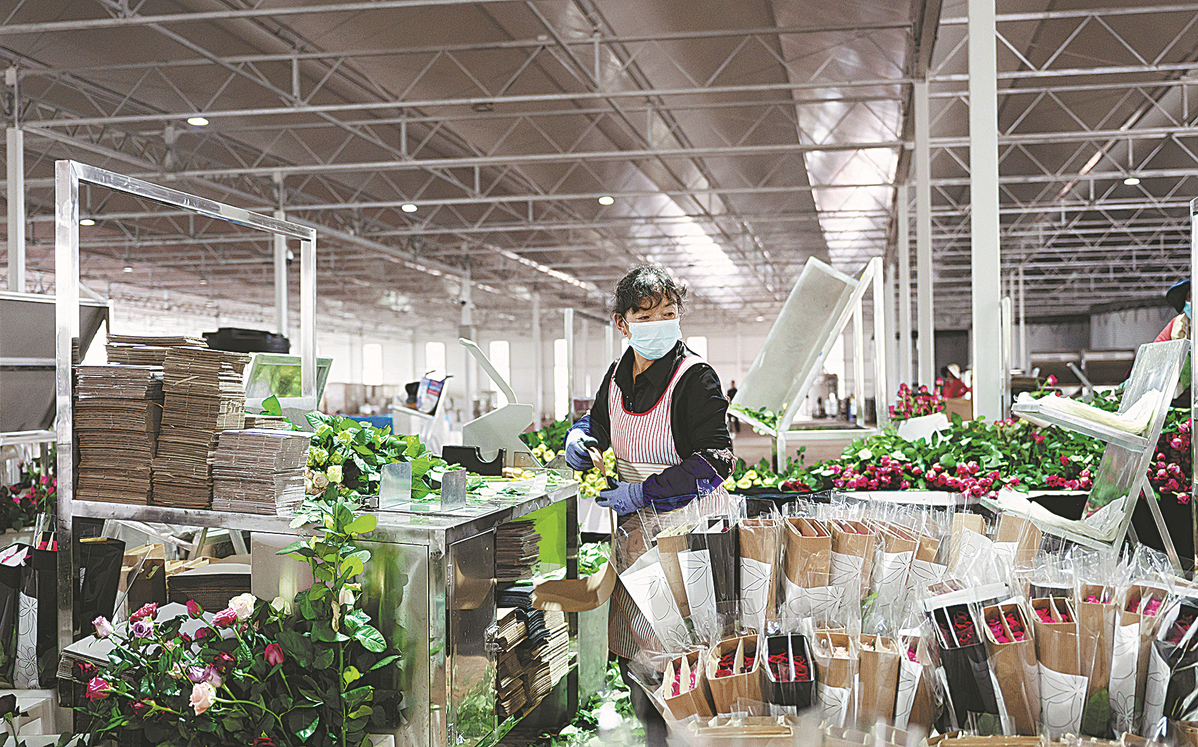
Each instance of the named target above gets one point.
<point>1124,439</point>
<point>14,438</point>
<point>185,517</point>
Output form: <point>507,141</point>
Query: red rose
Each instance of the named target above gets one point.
<point>140,708</point>
<point>224,663</point>
<point>264,741</point>
<point>274,654</point>
<point>98,689</point>
<point>193,608</point>
<point>225,618</point>
<point>147,610</point>
<point>84,670</point>
<point>201,634</point>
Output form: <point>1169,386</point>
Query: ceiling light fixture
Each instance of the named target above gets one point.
<point>203,281</point>
<point>127,268</point>
<point>761,318</point>
<point>86,222</point>
<point>1132,181</point>
<point>408,207</point>
<point>197,121</point>
<point>607,200</point>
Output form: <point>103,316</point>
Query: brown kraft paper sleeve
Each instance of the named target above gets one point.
<point>808,552</point>
<point>879,669</point>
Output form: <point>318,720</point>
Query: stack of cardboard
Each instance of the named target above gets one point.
<point>204,395</point>
<point>136,350</point>
<point>516,550</point>
<point>259,471</point>
<point>534,654</point>
<point>117,415</point>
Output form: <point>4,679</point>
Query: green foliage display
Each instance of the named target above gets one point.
<point>348,455</point>
<point>552,436</point>
<point>32,494</point>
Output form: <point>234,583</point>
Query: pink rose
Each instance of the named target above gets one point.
<point>203,695</point>
<point>274,654</point>
<point>225,618</point>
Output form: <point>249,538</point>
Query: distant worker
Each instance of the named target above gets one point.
<point>1178,296</point>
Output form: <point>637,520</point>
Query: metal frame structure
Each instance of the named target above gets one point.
<point>69,176</point>
<point>872,280</point>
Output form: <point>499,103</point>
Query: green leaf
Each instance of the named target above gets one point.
<point>350,675</point>
<point>371,639</point>
<point>363,524</point>
<point>386,660</point>
<point>293,547</point>
<point>271,406</point>
<point>303,723</point>
<point>1096,716</point>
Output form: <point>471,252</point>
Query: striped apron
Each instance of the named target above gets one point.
<point>644,446</point>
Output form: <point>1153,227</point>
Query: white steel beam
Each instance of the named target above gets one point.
<point>984,217</point>
<point>905,351</point>
<point>280,267</point>
<point>926,342</point>
<point>92,24</point>
<point>16,209</point>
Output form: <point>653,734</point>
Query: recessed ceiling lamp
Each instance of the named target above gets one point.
<point>607,200</point>
<point>1132,181</point>
<point>197,121</point>
<point>203,281</point>
<point>408,207</point>
<point>127,268</point>
<point>86,222</point>
<point>761,318</point>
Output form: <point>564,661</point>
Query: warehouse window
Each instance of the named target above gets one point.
<point>561,381</point>
<point>698,343</point>
<point>372,364</point>
<point>500,353</point>
<point>434,359</point>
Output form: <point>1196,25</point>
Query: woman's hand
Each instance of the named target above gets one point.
<point>578,442</point>
<point>625,498</point>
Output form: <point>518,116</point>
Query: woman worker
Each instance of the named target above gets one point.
<point>662,410</point>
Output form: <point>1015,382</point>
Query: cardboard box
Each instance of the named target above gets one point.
<point>742,690</point>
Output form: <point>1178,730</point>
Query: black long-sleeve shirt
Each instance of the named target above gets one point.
<point>698,424</point>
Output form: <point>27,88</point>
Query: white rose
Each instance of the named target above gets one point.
<point>346,598</point>
<point>203,695</point>
<point>243,605</point>
<point>334,474</point>
<point>281,605</point>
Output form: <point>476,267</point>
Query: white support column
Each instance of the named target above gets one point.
<point>569,334</point>
<point>15,159</point>
<point>584,359</point>
<point>609,344</point>
<point>858,362</point>
<point>538,364</point>
<point>923,236</point>
<point>984,220</point>
<point>466,329</point>
<point>890,342</point>
<point>1025,359</point>
<point>280,247</point>
<point>905,351</point>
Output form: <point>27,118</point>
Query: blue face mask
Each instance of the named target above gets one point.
<point>1186,310</point>
<point>654,339</point>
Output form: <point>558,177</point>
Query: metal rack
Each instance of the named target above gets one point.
<point>68,175</point>
<point>797,367</point>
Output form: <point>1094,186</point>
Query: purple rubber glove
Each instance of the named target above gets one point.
<point>625,498</point>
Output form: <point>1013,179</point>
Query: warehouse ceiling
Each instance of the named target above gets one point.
<point>733,145</point>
